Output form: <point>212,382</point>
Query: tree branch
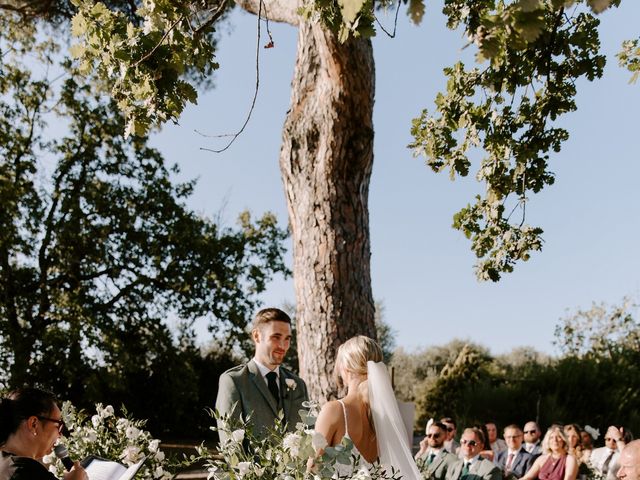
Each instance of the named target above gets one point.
<point>285,11</point>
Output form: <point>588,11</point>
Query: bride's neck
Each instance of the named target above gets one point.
<point>353,384</point>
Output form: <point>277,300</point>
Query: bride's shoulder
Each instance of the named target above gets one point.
<point>330,411</point>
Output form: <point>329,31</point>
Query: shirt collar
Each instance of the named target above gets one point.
<point>264,370</point>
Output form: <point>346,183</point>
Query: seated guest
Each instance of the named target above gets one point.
<point>532,436</point>
<point>606,460</point>
<point>30,425</point>
<point>497,444</point>
<point>573,432</point>
<point>515,461</point>
<point>589,435</point>
<point>555,463</point>
<point>472,466</point>
<point>450,444</point>
<point>433,459</point>
<point>630,461</point>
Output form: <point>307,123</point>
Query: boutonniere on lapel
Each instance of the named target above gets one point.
<point>291,384</point>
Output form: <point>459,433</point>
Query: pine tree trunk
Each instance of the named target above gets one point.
<point>326,161</point>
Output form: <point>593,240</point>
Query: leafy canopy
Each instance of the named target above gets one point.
<point>98,252</point>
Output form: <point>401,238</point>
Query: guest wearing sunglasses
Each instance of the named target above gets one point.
<point>433,459</point>
<point>532,436</point>
<point>606,460</point>
<point>450,443</point>
<point>30,425</point>
<point>472,466</point>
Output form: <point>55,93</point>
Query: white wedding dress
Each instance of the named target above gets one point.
<point>342,470</point>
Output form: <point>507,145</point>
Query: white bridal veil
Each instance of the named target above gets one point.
<point>390,430</point>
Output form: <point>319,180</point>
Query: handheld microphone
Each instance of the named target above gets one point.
<point>63,454</point>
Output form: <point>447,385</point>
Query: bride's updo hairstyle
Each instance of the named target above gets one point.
<point>354,354</point>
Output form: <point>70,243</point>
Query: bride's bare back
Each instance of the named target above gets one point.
<point>331,423</point>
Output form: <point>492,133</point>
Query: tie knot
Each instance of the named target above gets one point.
<point>272,376</point>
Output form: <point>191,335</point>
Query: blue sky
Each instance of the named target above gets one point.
<point>422,269</point>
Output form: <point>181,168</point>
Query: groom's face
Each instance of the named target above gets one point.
<point>272,343</point>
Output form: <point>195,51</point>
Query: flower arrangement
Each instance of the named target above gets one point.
<point>104,435</point>
<point>301,454</point>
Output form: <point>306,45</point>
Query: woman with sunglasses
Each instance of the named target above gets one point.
<point>555,463</point>
<point>30,425</point>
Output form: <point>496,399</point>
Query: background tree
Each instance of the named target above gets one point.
<point>98,254</point>
<point>531,54</point>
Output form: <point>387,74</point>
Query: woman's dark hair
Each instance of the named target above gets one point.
<point>21,404</point>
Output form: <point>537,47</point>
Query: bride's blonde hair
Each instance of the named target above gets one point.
<point>353,356</point>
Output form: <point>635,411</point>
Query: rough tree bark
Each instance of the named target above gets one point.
<point>325,161</point>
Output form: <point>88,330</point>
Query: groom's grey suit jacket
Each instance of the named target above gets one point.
<point>481,469</point>
<point>243,393</point>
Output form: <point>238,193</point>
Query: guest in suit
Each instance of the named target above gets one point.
<point>515,461</point>
<point>555,463</point>
<point>532,436</point>
<point>262,388</point>
<point>472,466</point>
<point>433,459</point>
<point>606,460</point>
<point>630,462</point>
<point>450,443</point>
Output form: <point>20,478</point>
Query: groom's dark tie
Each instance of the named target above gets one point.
<point>272,383</point>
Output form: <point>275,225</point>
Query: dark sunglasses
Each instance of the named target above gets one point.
<point>60,423</point>
<point>433,435</point>
<point>471,443</point>
<point>529,431</point>
<point>450,429</point>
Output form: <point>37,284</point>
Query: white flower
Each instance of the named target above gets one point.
<point>91,436</point>
<point>158,472</point>
<point>130,454</point>
<point>243,468</point>
<point>106,412</point>
<point>292,443</point>
<point>154,445</point>
<point>159,456</point>
<point>237,435</point>
<point>291,383</point>
<point>122,423</point>
<point>132,433</point>
<point>96,421</point>
<point>318,442</point>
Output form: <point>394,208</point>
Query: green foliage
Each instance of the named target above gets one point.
<point>600,331</point>
<point>629,58</point>
<point>119,439</point>
<point>595,381</point>
<point>442,398</point>
<point>532,53</point>
<point>98,253</point>
<point>282,453</point>
<point>144,61</point>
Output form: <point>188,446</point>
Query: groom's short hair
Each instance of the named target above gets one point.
<point>267,315</point>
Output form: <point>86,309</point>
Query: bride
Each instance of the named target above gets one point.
<point>368,415</point>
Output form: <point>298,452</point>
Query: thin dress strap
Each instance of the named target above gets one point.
<point>344,411</point>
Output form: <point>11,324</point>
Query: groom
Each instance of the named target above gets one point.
<point>262,388</point>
